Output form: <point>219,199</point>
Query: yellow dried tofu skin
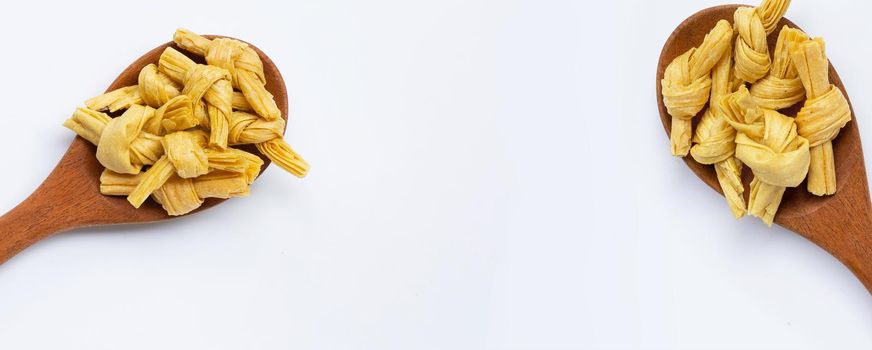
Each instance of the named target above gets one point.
<point>201,114</point>
<point>770,12</point>
<point>241,61</point>
<point>154,178</point>
<point>186,154</point>
<point>752,51</point>
<point>744,86</point>
<point>687,83</point>
<point>247,75</point>
<point>175,136</point>
<point>768,143</point>
<point>235,160</point>
<point>245,128</point>
<point>115,184</point>
<point>203,82</point>
<point>221,184</point>
<point>156,88</point>
<point>177,114</point>
<point>116,100</point>
<point>714,139</point>
<point>782,88</point>
<point>281,153</point>
<point>116,150</point>
<point>753,25</point>
<point>239,103</point>
<point>88,123</point>
<point>178,196</point>
<point>778,161</point>
<point>824,114</point>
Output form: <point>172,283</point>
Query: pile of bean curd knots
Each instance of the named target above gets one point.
<point>173,141</point>
<point>744,87</point>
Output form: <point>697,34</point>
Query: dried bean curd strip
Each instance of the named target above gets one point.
<point>242,61</point>
<point>782,88</point>
<point>687,83</point>
<point>824,113</point>
<point>752,25</point>
<point>767,142</point>
<point>209,83</point>
<point>246,70</point>
<point>715,139</point>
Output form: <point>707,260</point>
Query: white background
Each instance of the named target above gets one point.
<point>485,175</point>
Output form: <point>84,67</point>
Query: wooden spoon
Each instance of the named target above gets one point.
<point>841,224</point>
<point>70,197</point>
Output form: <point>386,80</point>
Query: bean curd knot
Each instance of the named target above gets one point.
<point>243,63</point>
<point>687,83</point>
<point>781,88</point>
<point>821,118</point>
<point>714,139</point>
<point>249,128</point>
<point>156,88</point>
<point>768,143</point>
<point>129,141</point>
<point>203,82</point>
<point>752,25</point>
<point>824,113</point>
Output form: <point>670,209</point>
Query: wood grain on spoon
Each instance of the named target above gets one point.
<point>840,224</point>
<point>70,196</point>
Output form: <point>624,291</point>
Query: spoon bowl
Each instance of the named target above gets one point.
<point>70,196</point>
<point>842,223</point>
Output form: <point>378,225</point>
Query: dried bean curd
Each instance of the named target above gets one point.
<point>731,72</point>
<point>174,140</point>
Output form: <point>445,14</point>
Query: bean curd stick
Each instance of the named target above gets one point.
<point>779,161</point>
<point>116,100</point>
<point>715,137</point>
<point>235,160</point>
<point>284,156</point>
<point>186,154</point>
<point>207,82</point>
<point>767,142</point>
<point>687,83</point>
<point>115,184</point>
<point>221,184</point>
<point>178,196</point>
<point>153,179</point>
<point>156,88</point>
<point>824,113</point>
<point>782,88</point>
<point>752,25</point>
<point>240,103</point>
<point>770,12</point>
<point>246,70</point>
<point>242,61</point>
<point>176,114</point>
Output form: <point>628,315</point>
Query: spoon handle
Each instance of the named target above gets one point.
<point>843,226</point>
<point>25,225</point>
<point>850,241</point>
<point>64,201</point>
